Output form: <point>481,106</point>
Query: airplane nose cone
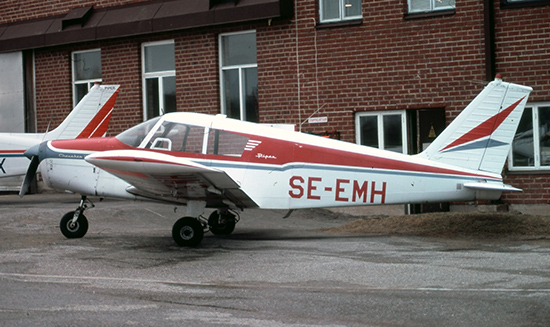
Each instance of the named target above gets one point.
<point>32,151</point>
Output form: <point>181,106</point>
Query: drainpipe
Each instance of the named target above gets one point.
<point>489,33</point>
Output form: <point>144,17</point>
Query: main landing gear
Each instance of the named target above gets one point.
<point>189,231</point>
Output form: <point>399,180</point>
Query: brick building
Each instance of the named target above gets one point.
<point>384,73</point>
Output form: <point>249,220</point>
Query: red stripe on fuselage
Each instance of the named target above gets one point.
<point>315,155</point>
<point>90,145</point>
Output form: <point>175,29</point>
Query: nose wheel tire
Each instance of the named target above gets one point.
<point>188,231</point>
<point>73,230</point>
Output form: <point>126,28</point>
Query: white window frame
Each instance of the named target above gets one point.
<point>241,68</point>
<point>341,15</point>
<point>380,115</point>
<point>432,7</point>
<point>159,75</point>
<point>89,82</point>
<point>536,145</point>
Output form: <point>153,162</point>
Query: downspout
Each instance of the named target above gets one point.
<point>489,33</point>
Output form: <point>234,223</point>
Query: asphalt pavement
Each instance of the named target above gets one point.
<point>127,271</point>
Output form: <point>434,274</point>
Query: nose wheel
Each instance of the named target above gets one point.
<point>74,224</point>
<point>76,228</point>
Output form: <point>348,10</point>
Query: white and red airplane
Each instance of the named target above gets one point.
<point>212,161</point>
<point>90,118</point>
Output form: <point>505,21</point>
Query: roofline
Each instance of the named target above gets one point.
<point>88,24</point>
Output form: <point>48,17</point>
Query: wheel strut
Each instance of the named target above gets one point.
<point>81,207</point>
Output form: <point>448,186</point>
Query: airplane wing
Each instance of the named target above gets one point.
<point>159,175</point>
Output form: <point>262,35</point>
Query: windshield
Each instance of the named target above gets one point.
<point>135,135</point>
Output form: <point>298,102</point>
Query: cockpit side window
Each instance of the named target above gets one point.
<point>172,136</point>
<point>135,135</point>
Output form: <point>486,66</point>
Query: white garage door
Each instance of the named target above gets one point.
<point>12,95</point>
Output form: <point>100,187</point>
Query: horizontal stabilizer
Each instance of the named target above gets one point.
<point>491,187</point>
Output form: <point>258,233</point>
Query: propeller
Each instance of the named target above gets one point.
<point>33,153</point>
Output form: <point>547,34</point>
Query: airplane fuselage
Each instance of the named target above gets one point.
<point>274,168</point>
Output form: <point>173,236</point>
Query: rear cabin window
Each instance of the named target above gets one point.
<point>226,143</point>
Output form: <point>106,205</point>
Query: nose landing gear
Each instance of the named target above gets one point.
<point>74,224</point>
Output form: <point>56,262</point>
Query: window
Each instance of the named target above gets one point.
<point>239,76</point>
<point>523,3</point>
<point>531,146</point>
<point>384,130</point>
<point>178,137</point>
<point>86,72</point>
<point>416,6</point>
<point>338,10</point>
<point>159,78</point>
<point>224,143</point>
<point>135,135</point>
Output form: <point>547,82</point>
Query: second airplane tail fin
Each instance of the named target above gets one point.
<point>90,117</point>
<point>481,136</point>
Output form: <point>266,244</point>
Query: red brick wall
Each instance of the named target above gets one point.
<point>523,53</point>
<point>197,85</point>
<point>386,63</point>
<point>53,88</point>
<point>523,48</point>
<point>197,76</point>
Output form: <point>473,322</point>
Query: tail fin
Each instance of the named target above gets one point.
<point>481,136</point>
<point>90,117</point>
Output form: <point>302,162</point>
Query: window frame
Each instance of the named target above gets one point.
<point>536,145</point>
<point>90,82</point>
<point>241,71</point>
<point>431,10</point>
<point>341,13</point>
<point>159,75</point>
<point>380,121</point>
<point>511,4</point>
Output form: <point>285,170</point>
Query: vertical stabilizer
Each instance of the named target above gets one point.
<point>90,117</point>
<point>481,136</point>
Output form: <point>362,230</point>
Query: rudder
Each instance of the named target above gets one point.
<point>480,137</point>
<point>90,117</point>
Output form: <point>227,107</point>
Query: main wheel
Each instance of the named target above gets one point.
<point>73,230</point>
<point>187,231</point>
<point>223,225</point>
